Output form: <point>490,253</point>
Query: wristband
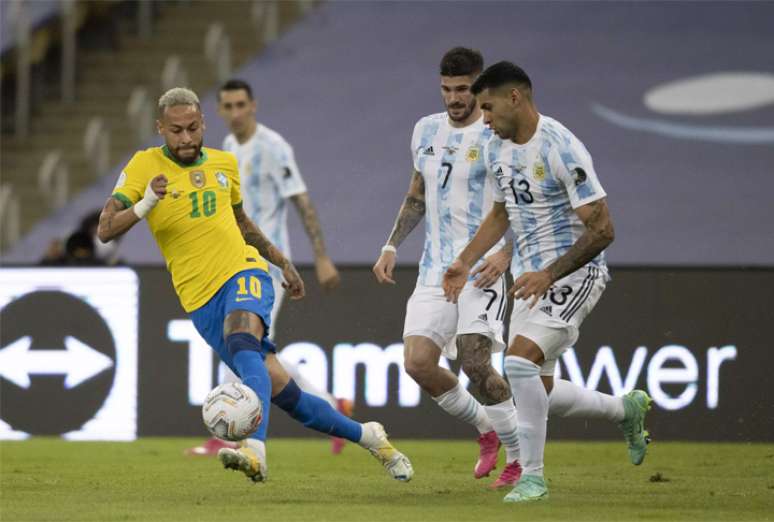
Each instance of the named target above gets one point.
<point>389,248</point>
<point>142,207</point>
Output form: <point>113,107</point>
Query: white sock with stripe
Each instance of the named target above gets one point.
<point>570,400</point>
<point>503,417</point>
<point>532,405</point>
<point>458,402</point>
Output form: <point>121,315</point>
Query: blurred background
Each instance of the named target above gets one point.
<point>674,100</point>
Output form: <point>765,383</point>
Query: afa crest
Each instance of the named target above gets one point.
<point>197,178</point>
<point>222,179</point>
<point>473,154</point>
<point>539,172</point>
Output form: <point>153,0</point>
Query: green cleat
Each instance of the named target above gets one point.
<point>527,489</point>
<point>636,405</point>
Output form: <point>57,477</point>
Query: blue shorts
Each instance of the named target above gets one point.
<point>251,290</point>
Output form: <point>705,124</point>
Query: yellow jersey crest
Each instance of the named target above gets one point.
<point>197,178</point>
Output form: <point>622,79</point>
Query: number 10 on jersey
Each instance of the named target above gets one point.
<point>208,203</point>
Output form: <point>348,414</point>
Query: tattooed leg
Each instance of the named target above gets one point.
<point>475,351</point>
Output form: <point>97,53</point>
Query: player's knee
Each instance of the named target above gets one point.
<point>241,341</point>
<point>419,369</point>
<point>526,348</point>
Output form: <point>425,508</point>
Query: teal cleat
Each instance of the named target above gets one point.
<point>529,488</point>
<point>636,405</point>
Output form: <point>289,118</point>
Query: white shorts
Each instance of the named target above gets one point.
<point>478,311</point>
<point>553,322</point>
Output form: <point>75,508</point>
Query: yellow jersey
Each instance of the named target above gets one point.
<point>194,225</point>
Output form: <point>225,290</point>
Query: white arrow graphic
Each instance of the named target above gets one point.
<point>78,361</point>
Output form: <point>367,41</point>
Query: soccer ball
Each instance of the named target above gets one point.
<point>232,411</point>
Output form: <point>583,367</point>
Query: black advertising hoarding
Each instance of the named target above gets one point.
<point>127,366</point>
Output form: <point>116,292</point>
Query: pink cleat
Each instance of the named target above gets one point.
<point>211,447</point>
<point>345,407</point>
<point>509,477</point>
<point>489,446</point>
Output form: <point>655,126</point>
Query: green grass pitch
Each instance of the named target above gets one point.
<point>150,480</point>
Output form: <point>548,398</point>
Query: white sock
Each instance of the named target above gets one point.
<point>532,405</point>
<point>458,402</point>
<point>259,447</point>
<point>503,418</point>
<point>570,400</point>
<point>372,435</point>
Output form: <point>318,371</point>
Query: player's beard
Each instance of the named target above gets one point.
<point>465,114</point>
<point>197,152</point>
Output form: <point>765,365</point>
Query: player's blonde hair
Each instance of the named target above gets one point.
<point>178,96</point>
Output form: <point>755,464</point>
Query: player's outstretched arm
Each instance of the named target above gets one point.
<point>493,227</point>
<point>598,235</point>
<point>327,274</point>
<point>410,214</point>
<point>116,219</point>
<point>253,236</point>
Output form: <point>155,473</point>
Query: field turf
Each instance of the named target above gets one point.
<point>150,480</point>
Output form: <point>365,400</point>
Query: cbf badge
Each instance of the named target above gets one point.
<point>472,154</point>
<point>197,178</point>
<point>539,172</point>
<point>222,179</point>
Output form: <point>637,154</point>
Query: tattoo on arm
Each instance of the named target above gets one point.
<point>311,223</point>
<point>113,221</point>
<point>411,211</point>
<point>254,237</point>
<point>598,235</point>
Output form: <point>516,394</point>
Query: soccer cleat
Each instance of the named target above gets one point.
<point>509,477</point>
<point>246,460</point>
<point>489,446</point>
<point>528,489</point>
<point>210,447</point>
<point>636,405</point>
<point>396,463</point>
<point>345,407</point>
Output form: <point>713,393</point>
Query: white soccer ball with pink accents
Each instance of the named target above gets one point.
<point>232,411</point>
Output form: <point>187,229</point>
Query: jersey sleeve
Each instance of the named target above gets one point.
<point>489,161</point>
<point>236,191</point>
<point>285,172</point>
<point>574,168</point>
<point>131,184</point>
<point>415,138</point>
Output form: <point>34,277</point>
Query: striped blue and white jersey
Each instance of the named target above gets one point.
<point>458,192</point>
<point>269,177</point>
<point>542,182</point>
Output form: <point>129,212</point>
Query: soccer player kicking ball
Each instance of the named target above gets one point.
<point>547,189</point>
<point>450,189</point>
<point>216,255</point>
<point>270,177</point>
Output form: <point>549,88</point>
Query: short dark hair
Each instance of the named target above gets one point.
<point>499,74</point>
<point>236,84</point>
<point>461,61</point>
